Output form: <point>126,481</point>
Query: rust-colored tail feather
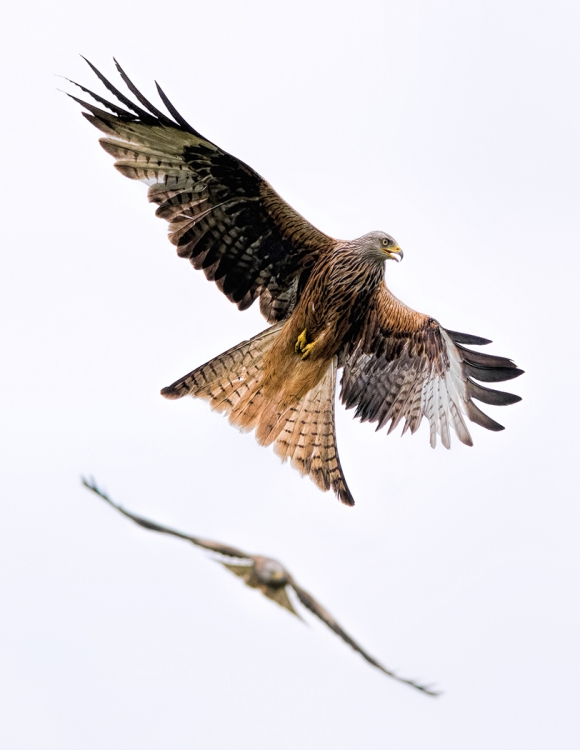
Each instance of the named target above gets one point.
<point>224,380</point>
<point>308,437</point>
<point>302,431</point>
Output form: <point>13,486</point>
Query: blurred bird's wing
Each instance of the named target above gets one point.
<point>280,596</point>
<point>222,549</point>
<point>277,594</point>
<point>222,215</point>
<point>242,571</point>
<point>311,604</point>
<point>404,365</point>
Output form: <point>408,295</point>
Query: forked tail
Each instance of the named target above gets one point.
<point>302,430</point>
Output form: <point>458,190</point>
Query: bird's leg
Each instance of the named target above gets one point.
<point>302,346</point>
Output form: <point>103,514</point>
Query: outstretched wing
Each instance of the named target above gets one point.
<point>222,549</point>
<point>310,603</point>
<point>222,215</point>
<point>405,366</point>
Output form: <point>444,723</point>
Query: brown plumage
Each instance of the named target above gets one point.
<point>265,574</point>
<point>326,299</point>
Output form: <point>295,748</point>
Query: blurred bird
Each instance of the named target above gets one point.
<point>265,574</point>
<point>326,299</point>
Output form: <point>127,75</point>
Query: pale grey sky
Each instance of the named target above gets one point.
<point>454,127</point>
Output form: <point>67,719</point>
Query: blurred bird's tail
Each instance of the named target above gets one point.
<point>277,402</point>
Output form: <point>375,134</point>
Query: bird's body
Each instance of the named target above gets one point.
<point>337,296</point>
<point>326,301</point>
<point>325,320</point>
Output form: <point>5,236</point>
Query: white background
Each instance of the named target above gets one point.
<point>454,127</point>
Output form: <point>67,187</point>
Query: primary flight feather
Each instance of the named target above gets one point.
<point>326,299</point>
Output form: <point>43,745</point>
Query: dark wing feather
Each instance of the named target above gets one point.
<point>311,604</point>
<point>222,549</point>
<point>222,215</point>
<point>405,366</point>
<point>467,338</point>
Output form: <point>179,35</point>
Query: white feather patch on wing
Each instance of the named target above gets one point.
<point>153,180</point>
<point>444,400</point>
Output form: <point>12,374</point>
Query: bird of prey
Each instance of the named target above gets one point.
<point>326,300</point>
<point>265,574</point>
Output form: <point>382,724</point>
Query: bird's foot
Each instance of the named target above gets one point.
<point>302,346</point>
<point>301,342</point>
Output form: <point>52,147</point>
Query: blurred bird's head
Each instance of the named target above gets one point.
<point>270,572</point>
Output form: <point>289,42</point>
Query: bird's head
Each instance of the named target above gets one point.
<point>270,572</point>
<point>381,246</point>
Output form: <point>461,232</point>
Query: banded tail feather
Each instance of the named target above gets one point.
<point>308,437</point>
<point>224,380</point>
<point>301,430</point>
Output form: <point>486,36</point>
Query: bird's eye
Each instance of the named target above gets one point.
<point>385,242</point>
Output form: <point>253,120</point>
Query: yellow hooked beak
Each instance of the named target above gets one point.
<point>396,254</point>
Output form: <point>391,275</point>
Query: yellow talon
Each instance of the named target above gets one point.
<point>302,347</point>
<point>301,342</point>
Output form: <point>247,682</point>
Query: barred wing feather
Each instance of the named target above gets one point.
<point>405,366</point>
<point>222,215</point>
